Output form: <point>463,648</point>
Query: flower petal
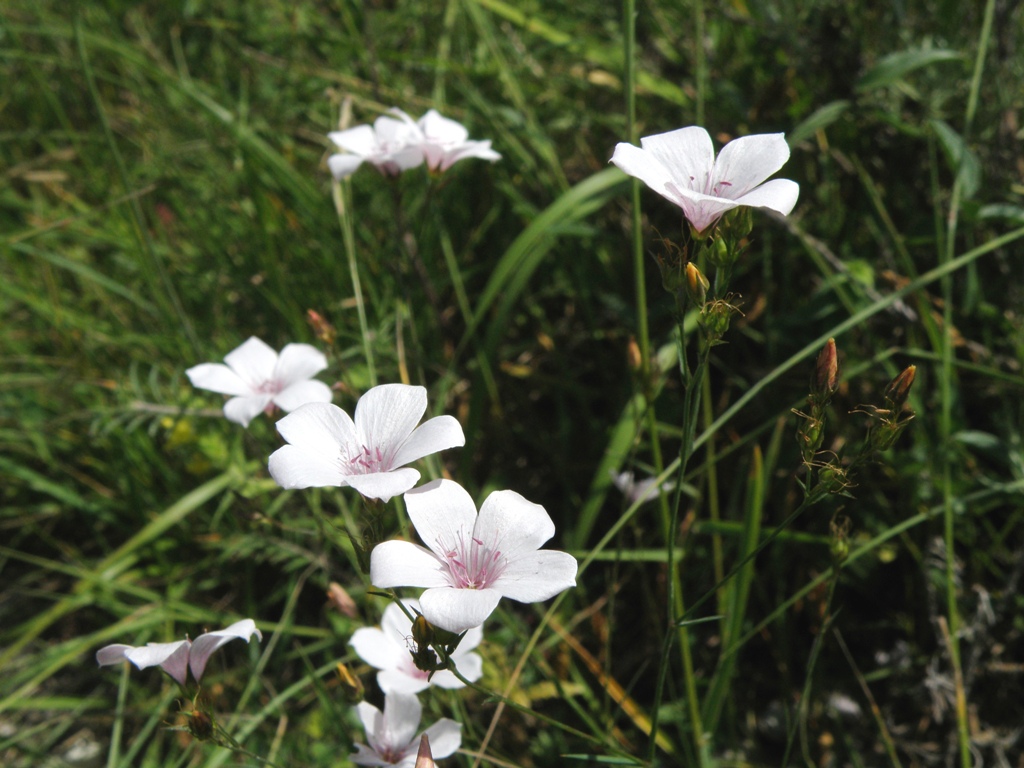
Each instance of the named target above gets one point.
<point>404,564</point>
<point>343,166</point>
<point>364,755</point>
<point>747,161</point>
<point>445,737</point>
<point>387,414</point>
<point>516,526</point>
<point>644,166</point>
<point>470,666</point>
<point>293,467</point>
<point>384,485</point>
<point>700,210</point>
<point>442,130</point>
<point>253,361</point>
<point>401,720</point>
<point>397,681</point>
<point>172,657</point>
<point>207,643</point>
<point>377,648</point>
<point>360,140</point>
<point>687,154</point>
<point>778,194</point>
<point>458,609</point>
<point>372,719</point>
<point>242,410</point>
<point>320,428</point>
<point>112,654</point>
<point>537,576</point>
<point>298,362</point>
<point>436,434</point>
<point>302,392</point>
<point>217,377</point>
<point>443,512</point>
<point>478,149</point>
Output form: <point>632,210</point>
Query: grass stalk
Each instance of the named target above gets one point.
<point>947,396</point>
<point>341,207</point>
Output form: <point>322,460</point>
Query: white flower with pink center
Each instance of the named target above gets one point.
<point>178,657</point>
<point>328,448</point>
<point>260,379</point>
<point>391,733</point>
<point>389,649</point>
<point>473,560</point>
<point>680,166</point>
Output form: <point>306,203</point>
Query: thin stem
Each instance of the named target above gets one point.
<point>946,391</point>
<point>348,237</point>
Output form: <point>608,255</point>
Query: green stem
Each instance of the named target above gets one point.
<point>348,237</point>
<point>946,392</point>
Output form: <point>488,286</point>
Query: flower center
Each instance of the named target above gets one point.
<point>471,563</point>
<point>718,189</point>
<point>363,461</point>
<point>269,387</point>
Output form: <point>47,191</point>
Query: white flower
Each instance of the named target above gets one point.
<point>680,166</point>
<point>640,490</point>
<point>178,657</point>
<point>389,650</point>
<point>329,448</point>
<point>259,379</point>
<point>391,733</point>
<point>473,560</point>
<point>392,145</point>
<point>446,141</point>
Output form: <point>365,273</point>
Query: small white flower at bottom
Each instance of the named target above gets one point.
<point>392,733</point>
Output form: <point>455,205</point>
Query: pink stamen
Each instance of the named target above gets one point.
<point>472,564</point>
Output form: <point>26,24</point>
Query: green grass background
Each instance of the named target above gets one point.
<point>165,196</point>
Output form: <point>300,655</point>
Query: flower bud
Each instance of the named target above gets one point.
<point>696,284</point>
<point>839,544</point>
<point>321,328</point>
<point>899,388</point>
<point>351,686</point>
<point>200,724</point>
<point>671,265</point>
<point>424,759</point>
<point>422,631</point>
<point>825,382</point>
<point>633,356</point>
<point>810,436</point>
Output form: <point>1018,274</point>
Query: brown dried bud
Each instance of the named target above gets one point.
<point>826,374</point>
<point>321,328</point>
<point>899,388</point>
<point>342,600</point>
<point>423,757</point>
<point>633,357</point>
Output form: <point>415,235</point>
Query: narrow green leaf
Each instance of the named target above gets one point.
<point>896,66</point>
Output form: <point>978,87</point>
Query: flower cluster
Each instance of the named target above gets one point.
<point>396,144</point>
